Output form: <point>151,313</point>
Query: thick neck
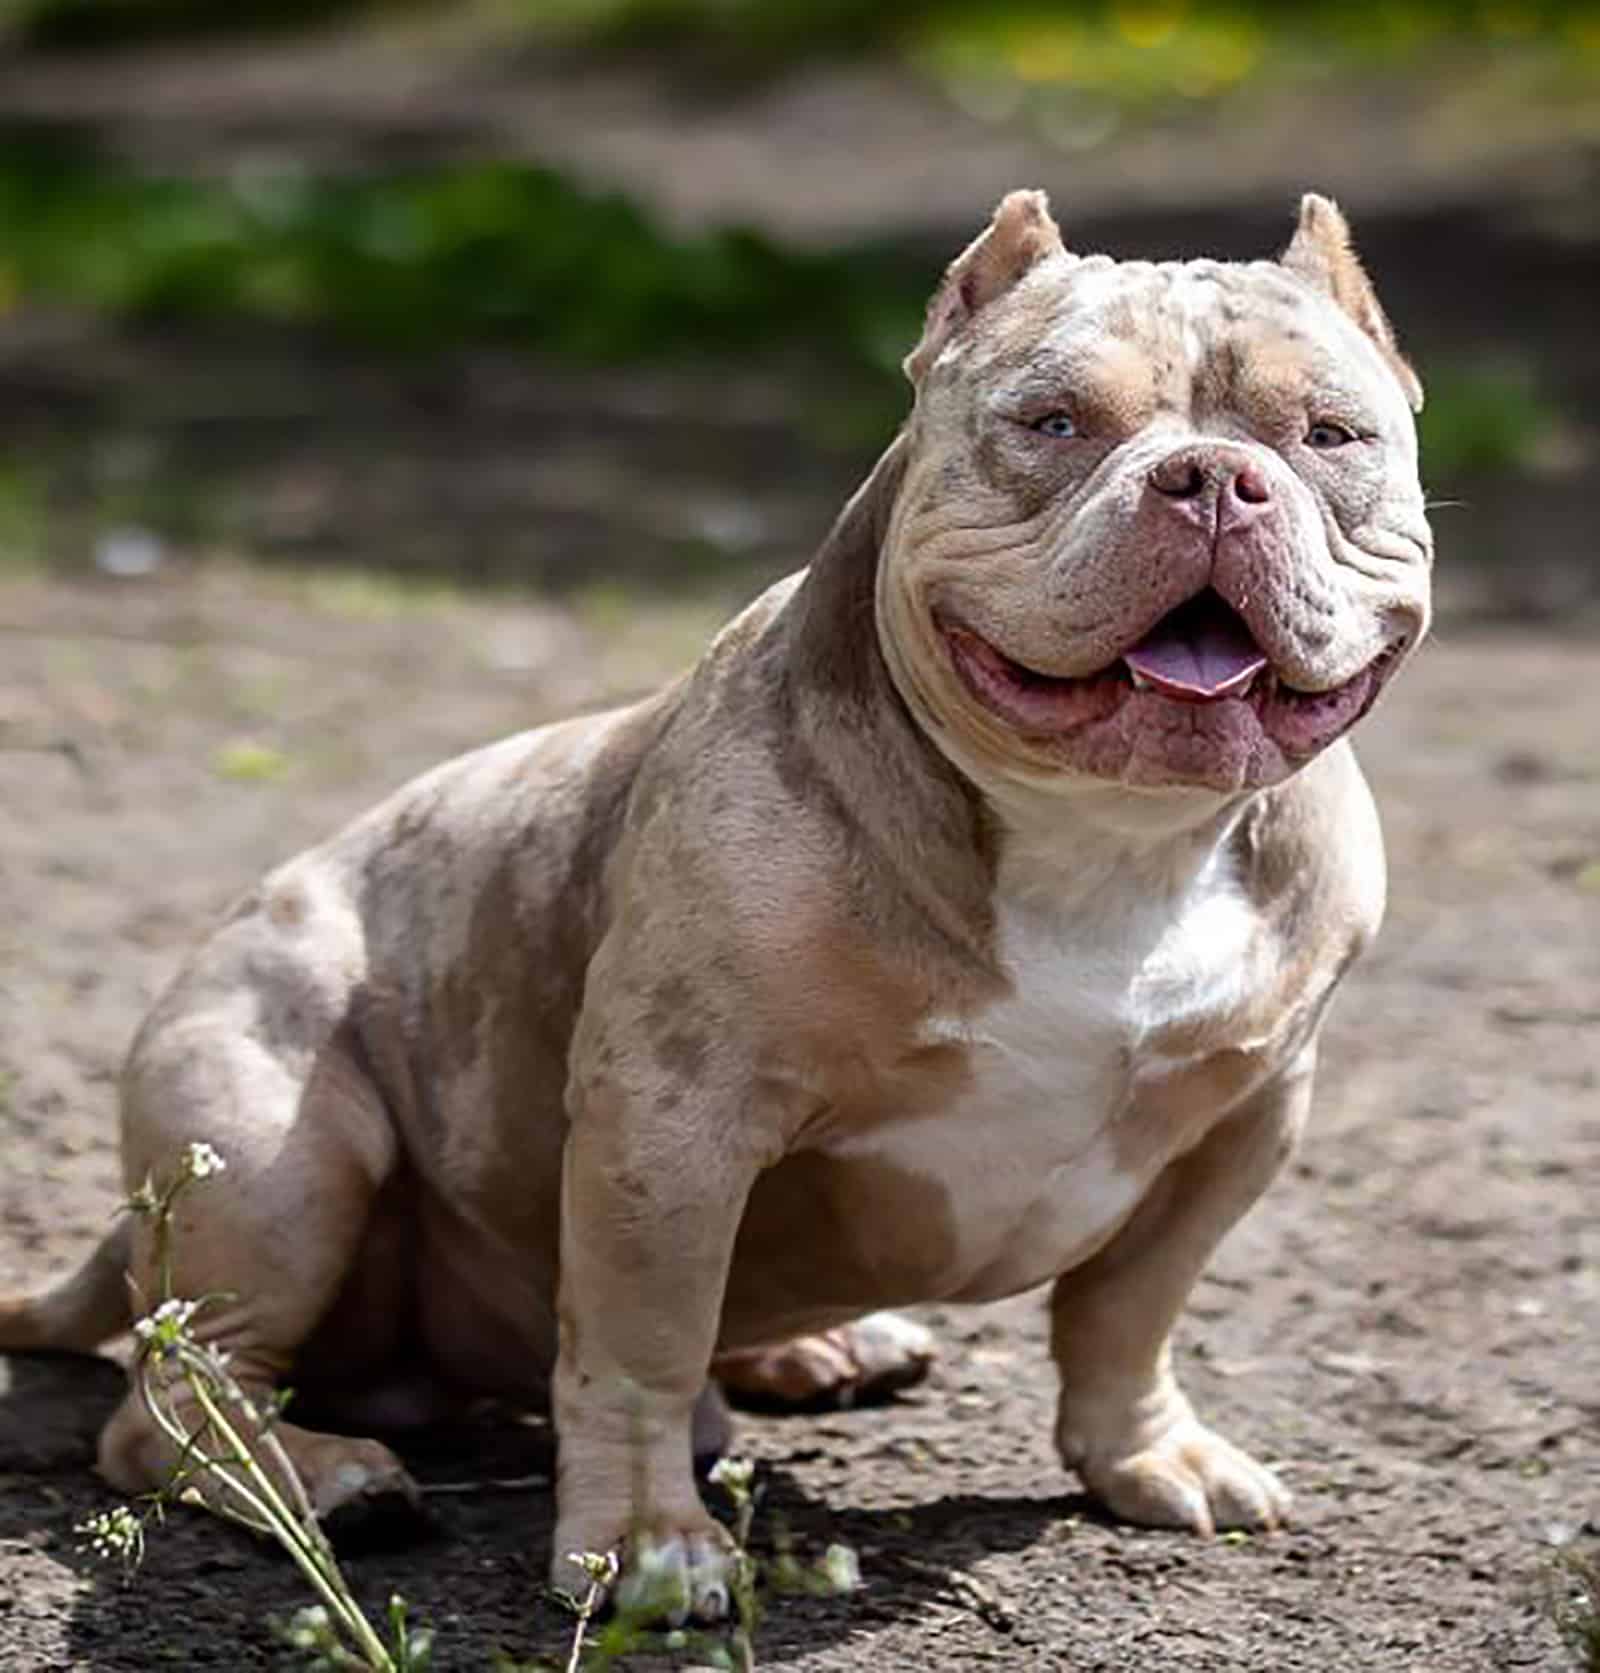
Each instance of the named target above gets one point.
<point>912,813</point>
<point>833,651</point>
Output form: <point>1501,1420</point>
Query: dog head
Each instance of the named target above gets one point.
<point>1160,523</point>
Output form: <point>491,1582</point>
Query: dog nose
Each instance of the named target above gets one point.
<point>1220,488</point>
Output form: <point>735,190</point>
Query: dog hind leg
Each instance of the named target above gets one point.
<point>859,1363</point>
<point>306,1144</point>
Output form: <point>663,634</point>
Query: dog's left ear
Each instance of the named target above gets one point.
<point>1321,254</point>
<point>1020,236</point>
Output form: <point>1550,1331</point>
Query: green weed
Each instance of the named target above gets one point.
<point>248,762</point>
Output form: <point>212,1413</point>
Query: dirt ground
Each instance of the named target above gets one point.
<point>1408,1326</point>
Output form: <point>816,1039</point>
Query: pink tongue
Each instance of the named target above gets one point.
<point>1198,652</point>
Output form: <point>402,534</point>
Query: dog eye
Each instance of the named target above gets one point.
<point>1060,425</point>
<point>1326,433</point>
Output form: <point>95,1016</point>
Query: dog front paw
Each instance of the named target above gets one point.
<point>1189,1478</point>
<point>668,1571</point>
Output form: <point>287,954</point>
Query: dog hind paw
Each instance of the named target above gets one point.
<point>369,1502</point>
<point>852,1364</point>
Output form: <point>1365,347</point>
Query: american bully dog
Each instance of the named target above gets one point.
<point>962,922</point>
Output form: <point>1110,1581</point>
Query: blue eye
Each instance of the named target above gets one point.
<point>1328,434</point>
<point>1060,425</point>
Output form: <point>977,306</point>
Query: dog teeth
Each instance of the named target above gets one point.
<point>1140,683</point>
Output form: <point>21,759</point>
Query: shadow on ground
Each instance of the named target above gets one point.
<point>206,1591</point>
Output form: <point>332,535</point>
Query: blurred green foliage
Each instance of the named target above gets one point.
<point>23,511</point>
<point>422,258</point>
<point>1130,49</point>
<point>1484,418</point>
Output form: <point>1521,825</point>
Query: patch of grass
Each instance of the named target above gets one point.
<point>415,259</point>
<point>247,762</point>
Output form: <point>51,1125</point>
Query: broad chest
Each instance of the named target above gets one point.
<point>1037,1123</point>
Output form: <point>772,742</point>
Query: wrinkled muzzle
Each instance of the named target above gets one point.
<point>1193,617</point>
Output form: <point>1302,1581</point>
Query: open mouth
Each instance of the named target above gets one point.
<point>1201,653</point>
<point>1197,653</point>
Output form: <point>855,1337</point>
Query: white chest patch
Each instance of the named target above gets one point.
<point>1027,1151</point>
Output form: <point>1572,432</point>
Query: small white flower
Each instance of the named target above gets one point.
<point>166,1326</point>
<point>841,1569</point>
<point>601,1568</point>
<point>734,1476</point>
<point>308,1628</point>
<point>174,1312</point>
<point>200,1161</point>
<point>114,1533</point>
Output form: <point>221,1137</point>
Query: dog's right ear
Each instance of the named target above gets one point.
<point>1020,236</point>
<point>1321,255</point>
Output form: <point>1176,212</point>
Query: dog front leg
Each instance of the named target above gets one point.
<point>1123,1422</point>
<point>653,1188</point>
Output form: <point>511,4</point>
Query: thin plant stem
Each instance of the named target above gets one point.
<point>585,1613</point>
<point>204,1464</point>
<point>304,1542</point>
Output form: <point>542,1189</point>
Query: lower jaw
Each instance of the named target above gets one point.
<point>1107,727</point>
<point>1228,745</point>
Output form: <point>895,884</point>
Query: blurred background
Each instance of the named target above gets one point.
<point>597,294</point>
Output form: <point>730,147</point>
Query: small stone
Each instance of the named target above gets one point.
<point>129,554</point>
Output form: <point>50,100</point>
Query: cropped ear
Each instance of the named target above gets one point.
<point>1320,254</point>
<point>1020,236</point>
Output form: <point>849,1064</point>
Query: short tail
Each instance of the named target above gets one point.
<point>82,1311</point>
